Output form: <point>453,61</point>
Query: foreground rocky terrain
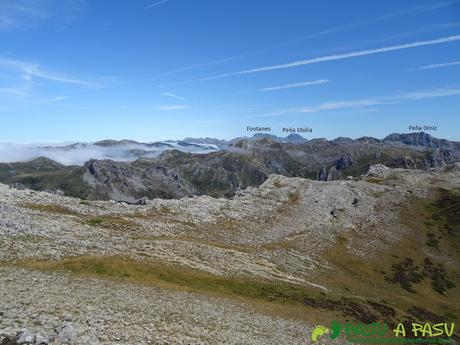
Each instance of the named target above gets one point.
<point>223,168</point>
<point>261,268</point>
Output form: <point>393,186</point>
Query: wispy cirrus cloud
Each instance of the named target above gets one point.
<point>423,94</point>
<point>23,93</point>
<point>367,103</point>
<point>29,70</point>
<point>155,4</point>
<point>15,92</point>
<point>407,11</point>
<point>421,30</point>
<point>440,65</point>
<point>199,65</point>
<point>327,58</point>
<point>172,95</point>
<point>19,14</point>
<point>173,107</point>
<point>59,98</point>
<point>27,14</point>
<point>392,99</point>
<point>295,85</point>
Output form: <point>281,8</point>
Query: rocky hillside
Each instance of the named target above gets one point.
<point>111,180</point>
<point>261,268</point>
<point>238,164</point>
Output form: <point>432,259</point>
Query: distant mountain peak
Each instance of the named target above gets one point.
<point>111,142</point>
<point>422,139</point>
<point>295,138</point>
<point>292,138</point>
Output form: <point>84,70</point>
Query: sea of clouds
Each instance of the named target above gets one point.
<point>79,153</point>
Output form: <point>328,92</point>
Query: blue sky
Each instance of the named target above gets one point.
<point>166,69</point>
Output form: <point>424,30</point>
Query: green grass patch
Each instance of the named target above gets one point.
<point>153,273</point>
<point>296,299</point>
<point>374,180</point>
<point>95,221</point>
<point>112,222</point>
<point>55,209</point>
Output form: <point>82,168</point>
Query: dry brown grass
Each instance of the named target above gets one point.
<point>55,209</point>
<point>111,222</point>
<point>293,197</point>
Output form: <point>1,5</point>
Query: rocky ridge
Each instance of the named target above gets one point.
<point>279,233</point>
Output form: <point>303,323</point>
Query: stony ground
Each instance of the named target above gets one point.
<point>276,232</point>
<point>104,312</point>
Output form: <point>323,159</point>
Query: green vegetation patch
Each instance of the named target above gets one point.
<point>107,221</point>
<point>367,312</point>
<point>406,273</point>
<point>421,269</point>
<point>162,275</point>
<point>446,212</point>
<point>42,174</point>
<point>112,222</point>
<point>95,221</point>
<point>55,209</point>
<point>153,273</point>
<point>375,180</point>
<point>439,220</point>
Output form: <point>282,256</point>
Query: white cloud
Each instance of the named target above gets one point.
<point>173,107</point>
<point>327,58</point>
<point>79,153</point>
<point>18,14</point>
<point>352,54</point>
<point>156,4</point>
<point>198,65</point>
<point>368,103</point>
<point>334,105</point>
<point>415,95</point>
<point>59,98</point>
<point>409,11</point>
<point>439,65</point>
<point>290,86</point>
<point>28,14</point>
<point>168,94</point>
<point>29,70</point>
<point>18,93</point>
<point>384,17</point>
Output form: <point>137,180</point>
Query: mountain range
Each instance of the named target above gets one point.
<point>219,168</point>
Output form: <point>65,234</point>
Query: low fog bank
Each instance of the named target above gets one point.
<point>78,154</point>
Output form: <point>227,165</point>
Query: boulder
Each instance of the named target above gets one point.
<point>142,201</point>
<point>378,170</point>
<point>17,185</point>
<point>67,333</point>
